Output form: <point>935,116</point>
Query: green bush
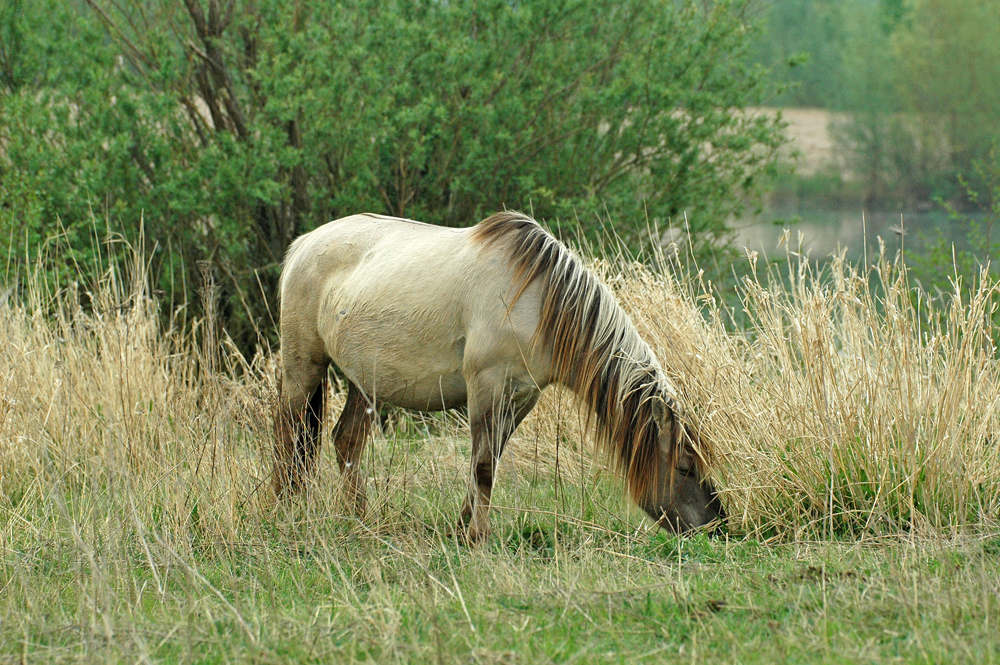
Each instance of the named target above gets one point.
<point>231,127</point>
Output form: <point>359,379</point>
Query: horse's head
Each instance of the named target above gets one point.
<point>683,499</point>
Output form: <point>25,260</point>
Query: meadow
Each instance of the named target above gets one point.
<point>853,422</point>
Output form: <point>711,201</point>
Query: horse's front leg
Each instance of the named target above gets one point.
<point>495,411</point>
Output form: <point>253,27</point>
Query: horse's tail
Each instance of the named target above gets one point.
<point>286,265</point>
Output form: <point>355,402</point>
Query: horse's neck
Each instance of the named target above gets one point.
<point>627,368</point>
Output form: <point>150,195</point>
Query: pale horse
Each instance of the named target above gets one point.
<point>429,318</point>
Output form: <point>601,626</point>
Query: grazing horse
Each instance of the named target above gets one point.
<point>430,318</point>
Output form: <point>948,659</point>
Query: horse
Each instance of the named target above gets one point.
<point>430,318</point>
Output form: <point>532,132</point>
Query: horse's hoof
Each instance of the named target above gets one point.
<point>462,525</point>
<point>358,508</point>
<point>474,536</point>
<point>463,533</point>
<point>465,517</point>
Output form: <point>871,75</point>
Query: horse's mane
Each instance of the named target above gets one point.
<point>596,349</point>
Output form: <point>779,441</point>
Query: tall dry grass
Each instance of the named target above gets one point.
<point>105,409</point>
<point>847,403</point>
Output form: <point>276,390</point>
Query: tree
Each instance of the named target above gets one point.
<point>917,78</point>
<point>870,136</point>
<point>802,42</point>
<point>949,63</point>
<point>231,126</point>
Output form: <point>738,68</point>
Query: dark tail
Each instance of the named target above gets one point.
<point>297,441</point>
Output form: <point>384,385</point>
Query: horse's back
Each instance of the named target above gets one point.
<point>345,243</point>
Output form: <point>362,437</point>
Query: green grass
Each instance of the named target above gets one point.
<point>81,583</point>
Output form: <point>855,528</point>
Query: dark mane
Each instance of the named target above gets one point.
<point>596,349</point>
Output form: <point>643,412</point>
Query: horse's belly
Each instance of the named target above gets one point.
<point>401,386</point>
<point>402,362</point>
<point>431,393</point>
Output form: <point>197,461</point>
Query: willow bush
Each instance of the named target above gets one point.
<point>230,127</point>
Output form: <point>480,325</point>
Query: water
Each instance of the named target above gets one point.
<point>824,232</point>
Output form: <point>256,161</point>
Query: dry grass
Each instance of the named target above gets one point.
<point>848,402</point>
<point>134,461</point>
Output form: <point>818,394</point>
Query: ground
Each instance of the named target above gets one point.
<point>811,146</point>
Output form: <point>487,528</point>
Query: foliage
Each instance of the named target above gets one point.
<point>873,137</point>
<point>923,107</point>
<point>230,127</point>
<point>801,43</point>
<point>949,61</point>
<point>816,48</point>
<point>915,78</point>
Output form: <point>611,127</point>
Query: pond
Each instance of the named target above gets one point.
<point>823,232</point>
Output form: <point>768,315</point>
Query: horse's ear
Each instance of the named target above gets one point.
<point>660,412</point>
<point>664,411</point>
<point>670,429</point>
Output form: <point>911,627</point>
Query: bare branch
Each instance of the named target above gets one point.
<point>135,54</point>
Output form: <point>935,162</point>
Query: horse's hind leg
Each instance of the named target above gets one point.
<point>349,437</point>
<point>297,423</point>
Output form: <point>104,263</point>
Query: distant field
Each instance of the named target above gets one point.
<point>854,437</point>
<point>811,145</point>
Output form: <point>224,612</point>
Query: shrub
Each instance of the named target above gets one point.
<point>232,127</point>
